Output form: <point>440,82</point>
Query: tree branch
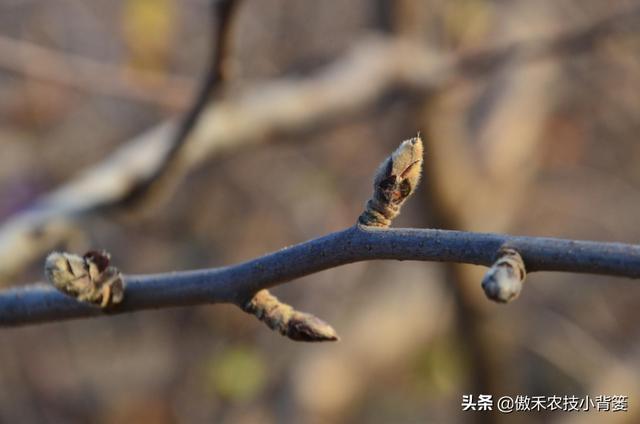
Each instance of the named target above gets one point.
<point>245,284</point>
<point>234,284</point>
<point>365,74</point>
<point>222,12</point>
<point>124,178</point>
<point>87,75</point>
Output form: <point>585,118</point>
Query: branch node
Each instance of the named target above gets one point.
<point>503,282</point>
<point>395,180</point>
<point>88,278</point>
<point>296,325</point>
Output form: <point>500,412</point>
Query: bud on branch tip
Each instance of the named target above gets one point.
<point>395,180</point>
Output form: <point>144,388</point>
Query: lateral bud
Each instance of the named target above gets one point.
<point>503,282</point>
<point>88,278</point>
<point>296,325</point>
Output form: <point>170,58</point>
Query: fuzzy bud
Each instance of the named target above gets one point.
<point>296,325</point>
<point>503,282</point>
<point>88,278</point>
<point>395,180</point>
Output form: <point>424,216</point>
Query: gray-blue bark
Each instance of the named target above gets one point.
<point>237,283</point>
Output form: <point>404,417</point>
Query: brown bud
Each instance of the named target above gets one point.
<point>88,278</point>
<point>395,180</point>
<point>296,325</point>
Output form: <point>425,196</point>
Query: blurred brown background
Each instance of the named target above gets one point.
<point>545,148</point>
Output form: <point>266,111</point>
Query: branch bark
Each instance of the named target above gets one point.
<point>234,284</point>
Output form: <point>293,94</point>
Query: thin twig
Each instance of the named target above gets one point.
<point>87,75</point>
<point>221,24</point>
<point>142,168</point>
<point>577,40</point>
<point>235,283</point>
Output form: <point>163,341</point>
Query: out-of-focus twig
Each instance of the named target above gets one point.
<point>345,87</point>
<point>223,12</point>
<point>88,75</point>
<point>149,180</point>
<point>572,41</point>
<point>371,69</point>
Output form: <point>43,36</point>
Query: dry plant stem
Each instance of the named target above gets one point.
<point>235,284</point>
<point>369,71</point>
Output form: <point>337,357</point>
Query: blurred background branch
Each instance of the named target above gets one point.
<point>344,88</point>
<point>221,27</point>
<point>30,60</point>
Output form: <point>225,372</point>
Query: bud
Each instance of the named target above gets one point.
<point>88,278</point>
<point>503,282</point>
<point>395,180</point>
